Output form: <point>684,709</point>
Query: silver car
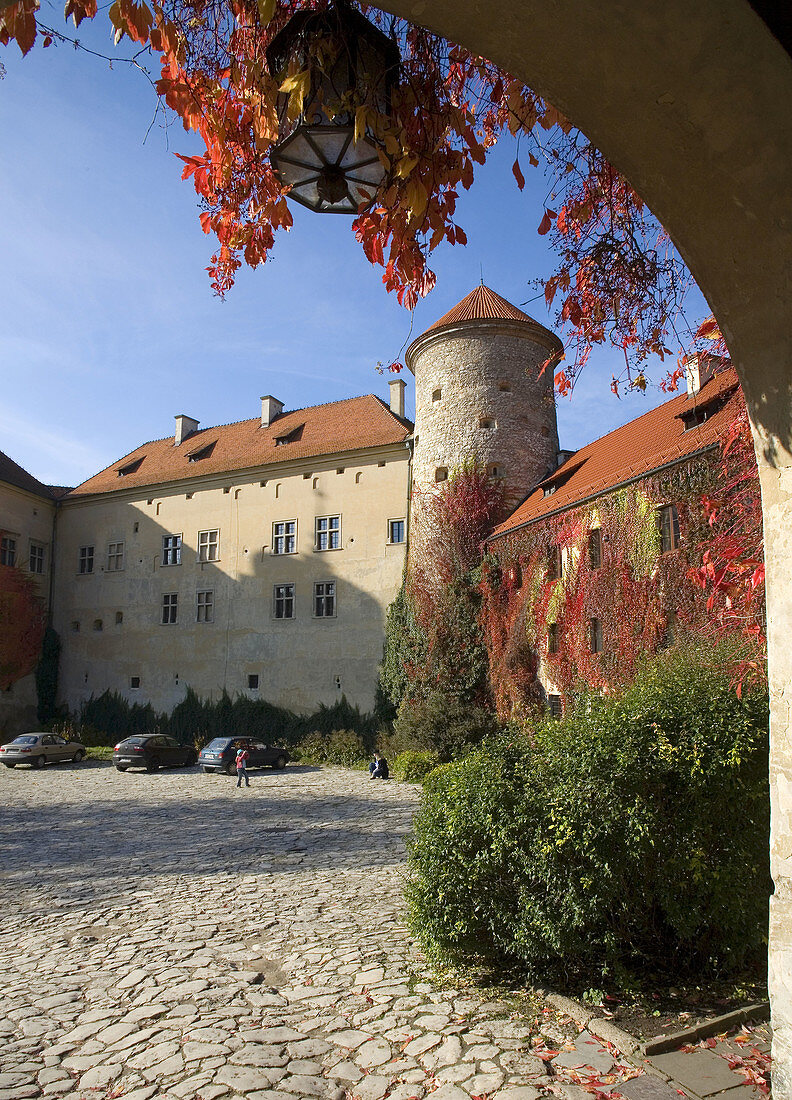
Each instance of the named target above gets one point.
<point>38,749</point>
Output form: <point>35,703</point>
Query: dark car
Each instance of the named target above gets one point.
<point>219,755</point>
<point>152,752</point>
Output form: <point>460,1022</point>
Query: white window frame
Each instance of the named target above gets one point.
<point>115,557</point>
<point>391,540</point>
<point>283,538</point>
<point>328,592</point>
<point>204,608</point>
<point>169,608</point>
<point>207,544</point>
<point>331,534</point>
<point>8,550</point>
<point>172,549</point>
<point>85,559</point>
<point>37,555</point>
<point>283,599</point>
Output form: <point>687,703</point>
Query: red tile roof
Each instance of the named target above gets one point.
<point>482,304</point>
<point>352,425</point>
<point>656,439</point>
<point>13,474</point>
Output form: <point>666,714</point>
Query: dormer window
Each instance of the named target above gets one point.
<point>549,490</point>
<point>290,437</point>
<point>131,467</point>
<point>202,452</point>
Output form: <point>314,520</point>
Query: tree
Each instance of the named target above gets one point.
<point>22,622</point>
<point>619,280</point>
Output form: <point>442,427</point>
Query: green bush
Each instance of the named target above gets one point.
<point>343,748</point>
<point>443,725</point>
<point>414,766</point>
<point>631,835</point>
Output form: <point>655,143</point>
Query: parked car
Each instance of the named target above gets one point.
<point>151,752</point>
<point>219,754</point>
<point>38,749</point>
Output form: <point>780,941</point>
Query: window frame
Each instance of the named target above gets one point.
<point>553,638</point>
<point>204,546</point>
<point>8,550</point>
<point>403,524</point>
<point>596,635</point>
<point>169,608</point>
<point>85,560</point>
<point>555,706</point>
<point>668,528</point>
<point>285,535</point>
<point>329,532</point>
<point>324,596</point>
<point>40,556</point>
<point>555,563</point>
<point>595,547</point>
<point>168,551</point>
<point>286,600</point>
<point>207,605</point>
<point>115,555</point>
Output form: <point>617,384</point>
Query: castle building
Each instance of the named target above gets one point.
<point>260,557</point>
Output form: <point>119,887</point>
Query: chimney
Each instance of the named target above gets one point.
<point>698,370</point>
<point>397,388</point>
<point>271,407</point>
<point>562,457</point>
<point>185,425</point>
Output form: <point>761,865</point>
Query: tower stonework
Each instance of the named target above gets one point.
<point>478,394</point>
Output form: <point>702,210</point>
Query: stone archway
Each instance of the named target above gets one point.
<point>693,102</point>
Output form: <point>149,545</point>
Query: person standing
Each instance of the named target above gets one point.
<point>242,757</point>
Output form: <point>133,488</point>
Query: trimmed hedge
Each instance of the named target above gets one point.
<point>633,835</point>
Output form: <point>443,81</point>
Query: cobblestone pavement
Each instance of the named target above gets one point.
<point>172,936</point>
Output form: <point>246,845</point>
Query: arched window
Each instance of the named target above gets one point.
<point>495,470</point>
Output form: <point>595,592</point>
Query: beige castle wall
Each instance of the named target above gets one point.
<point>297,660</point>
<point>469,364</point>
<point>25,516</point>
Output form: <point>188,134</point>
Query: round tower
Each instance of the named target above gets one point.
<point>479,394</point>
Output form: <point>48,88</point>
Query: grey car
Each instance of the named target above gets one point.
<point>38,749</point>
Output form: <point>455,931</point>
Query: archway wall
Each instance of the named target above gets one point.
<point>693,103</point>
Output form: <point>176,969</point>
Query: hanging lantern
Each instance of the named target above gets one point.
<point>347,63</point>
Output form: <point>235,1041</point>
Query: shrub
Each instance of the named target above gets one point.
<point>343,748</point>
<point>633,834</point>
<point>414,766</point>
<point>443,725</point>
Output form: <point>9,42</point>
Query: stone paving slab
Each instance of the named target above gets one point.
<point>170,936</point>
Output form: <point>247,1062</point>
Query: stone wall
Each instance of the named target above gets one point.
<point>478,394</point>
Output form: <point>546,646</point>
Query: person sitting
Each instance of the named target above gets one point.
<point>380,769</point>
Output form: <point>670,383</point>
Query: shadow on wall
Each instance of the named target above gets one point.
<point>114,637</point>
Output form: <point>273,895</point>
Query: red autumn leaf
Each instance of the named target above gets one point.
<point>546,223</point>
<point>517,172</point>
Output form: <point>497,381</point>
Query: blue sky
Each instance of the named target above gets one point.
<point>110,327</point>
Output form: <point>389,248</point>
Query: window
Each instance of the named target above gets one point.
<point>204,611</point>
<point>36,558</point>
<point>668,523</point>
<point>595,548</point>
<point>486,422</point>
<point>283,601</point>
<point>134,681</point>
<point>324,599</point>
<point>119,617</point>
<point>495,471</point>
<point>98,624</point>
<point>328,533</point>
<point>171,549</point>
<point>554,705</point>
<point>437,395</point>
<point>595,635</point>
<point>284,537</point>
<point>441,473</point>
<point>253,681</point>
<point>554,563</point>
<point>115,557</point>
<point>202,452</point>
<point>552,637</point>
<point>86,559</point>
<point>7,550</point>
<point>208,545</point>
<point>131,467</point>
<point>75,627</point>
<point>395,530</point>
<point>504,387</point>
<point>170,606</point>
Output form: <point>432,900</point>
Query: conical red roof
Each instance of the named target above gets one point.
<point>482,304</point>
